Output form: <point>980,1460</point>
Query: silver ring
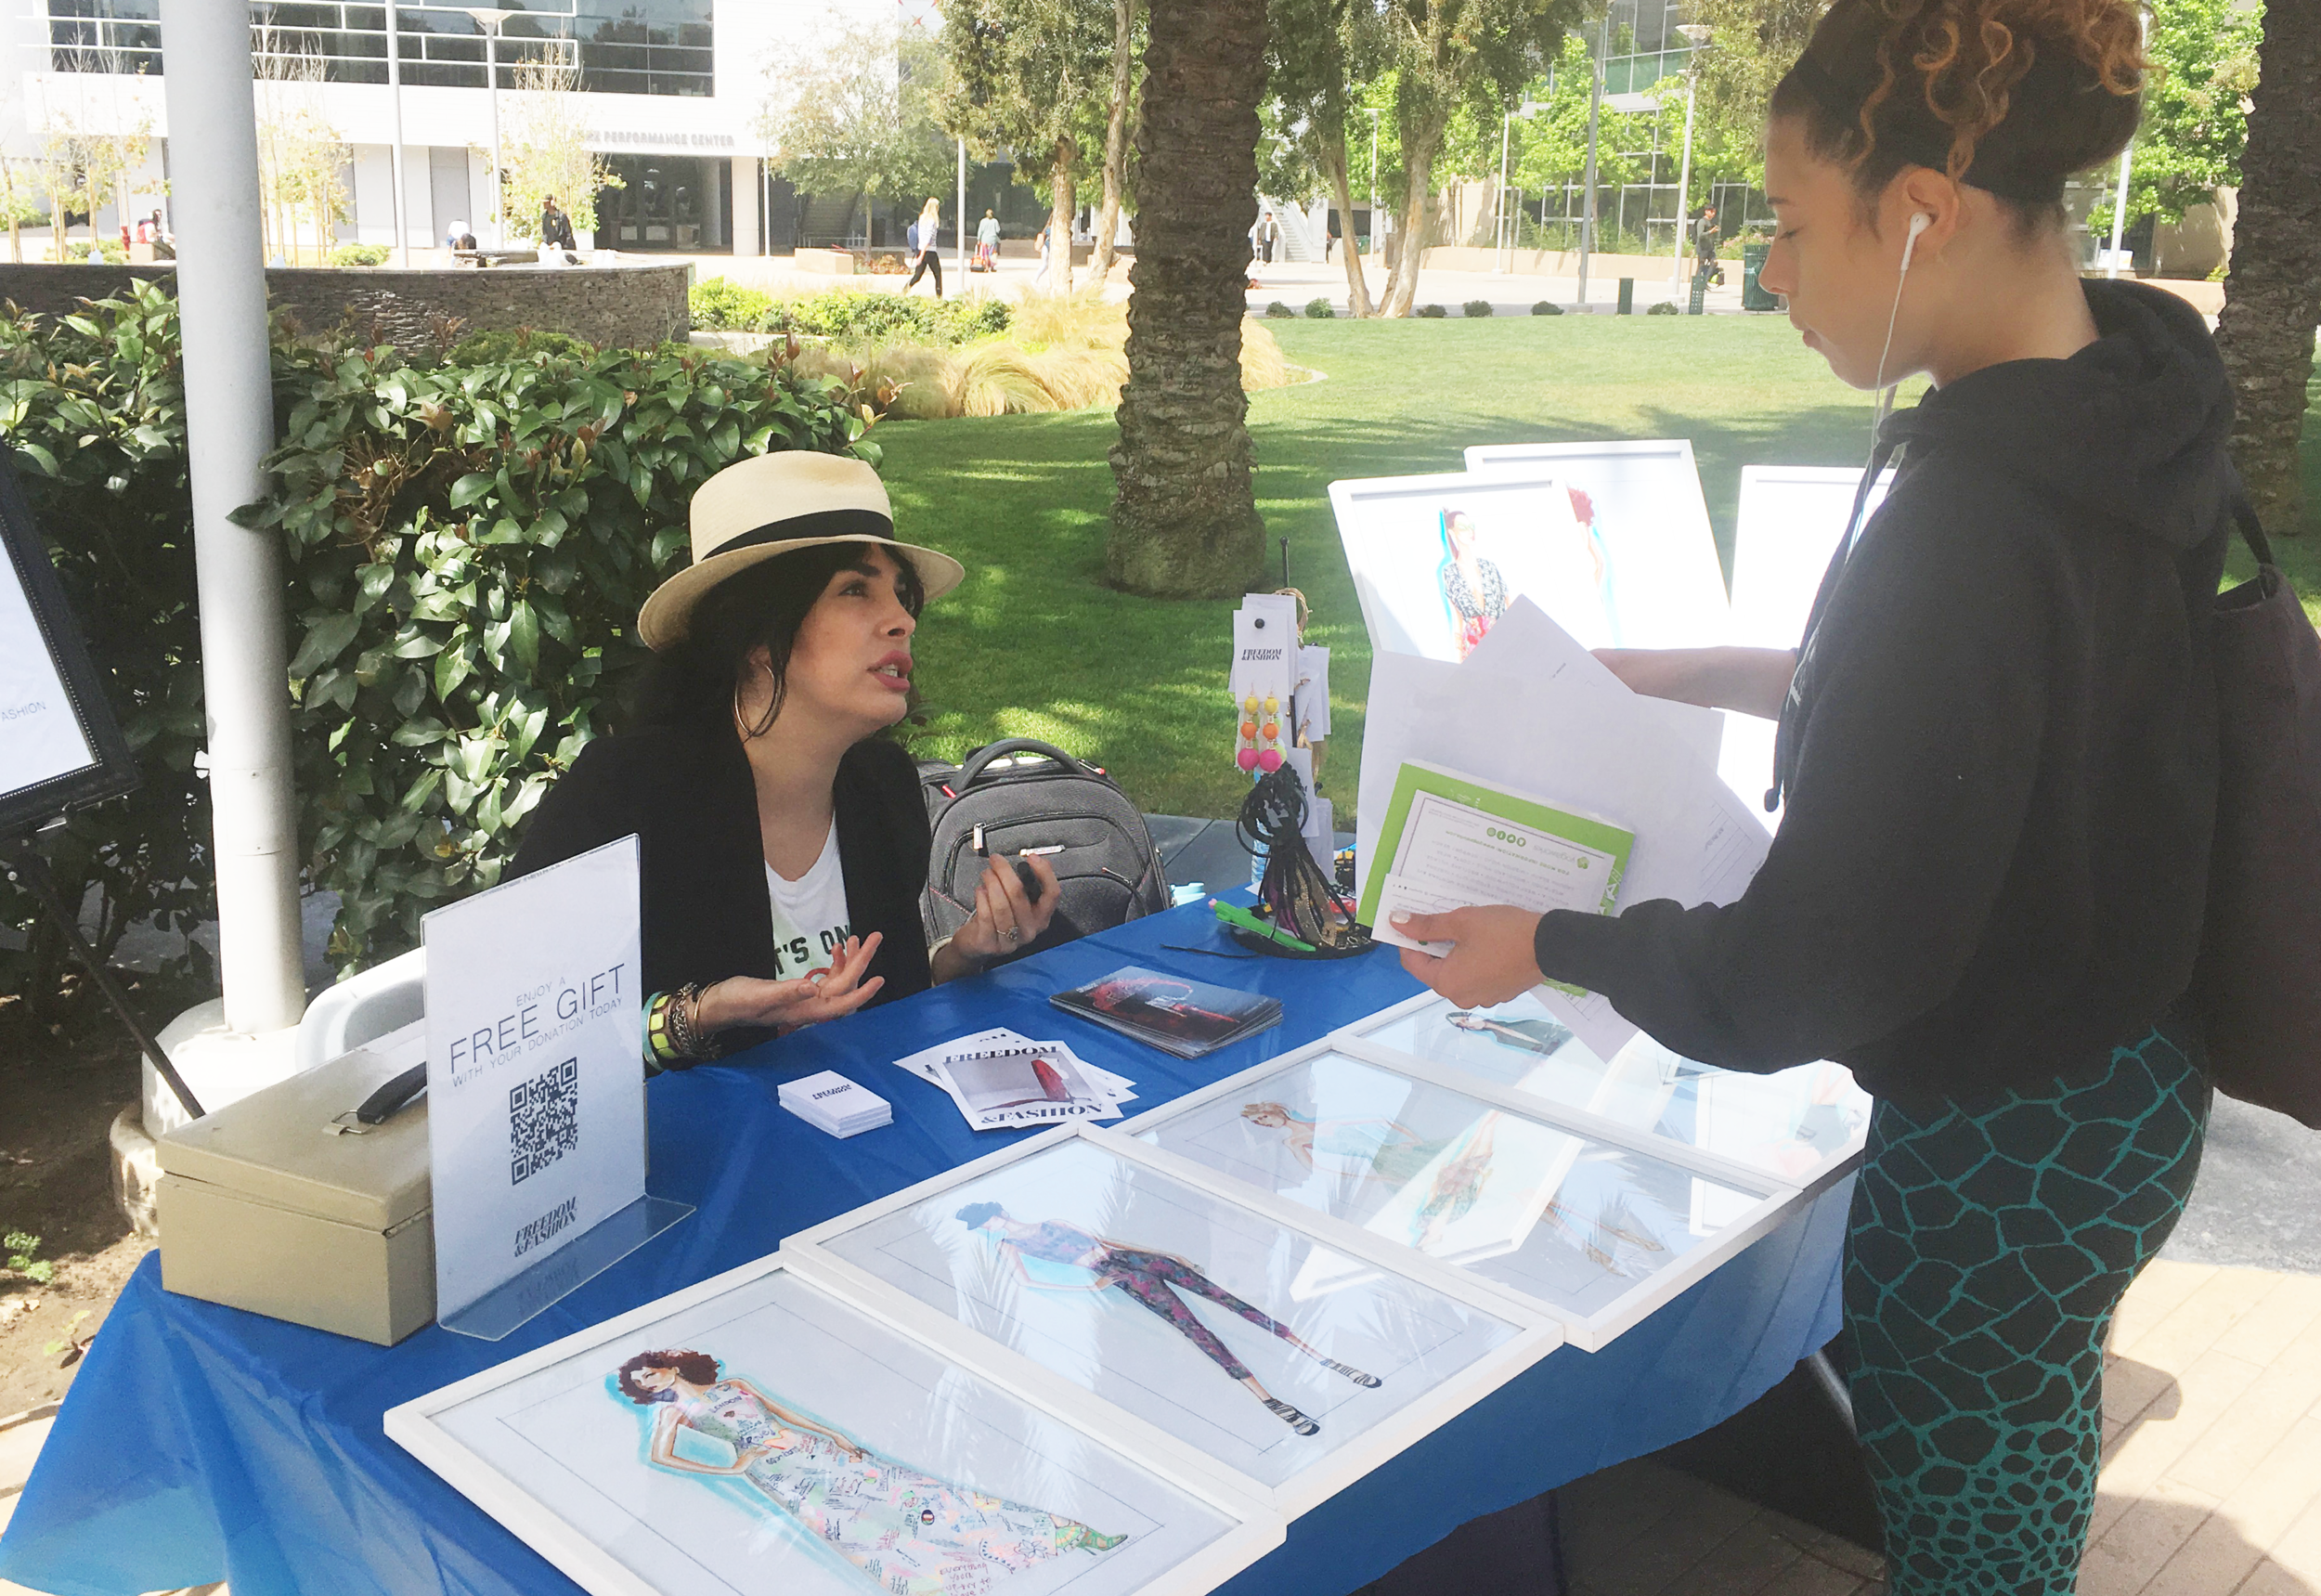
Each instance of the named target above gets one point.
<point>1012,934</point>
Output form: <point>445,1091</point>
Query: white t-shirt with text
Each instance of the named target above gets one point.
<point>809,914</point>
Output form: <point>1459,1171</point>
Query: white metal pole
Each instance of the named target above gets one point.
<point>1376,236</point>
<point>963,216</point>
<point>1498,201</point>
<point>394,98</point>
<point>1588,201</point>
<point>2120,208</point>
<point>1684,179</point>
<point>229,427</point>
<point>498,191</point>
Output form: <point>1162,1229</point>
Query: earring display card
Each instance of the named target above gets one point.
<point>1292,1363</point>
<point>759,1433</point>
<point>1569,1222</point>
<point>1795,1126</point>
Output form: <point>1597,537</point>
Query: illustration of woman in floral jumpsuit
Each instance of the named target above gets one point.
<point>1393,1155</point>
<point>912,1533</point>
<point>1147,1279</point>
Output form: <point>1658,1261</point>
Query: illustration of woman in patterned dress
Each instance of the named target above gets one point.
<point>1391,1154</point>
<point>1154,1281</point>
<point>911,1533</point>
<point>1472,587</point>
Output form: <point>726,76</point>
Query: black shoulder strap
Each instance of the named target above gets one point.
<point>2252,529</point>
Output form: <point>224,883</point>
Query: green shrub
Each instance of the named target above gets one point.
<point>1279,311</point>
<point>1432,312</point>
<point>1320,309</point>
<point>465,550</point>
<point>1547,308</point>
<point>501,345</point>
<point>360,255</point>
<point>850,316</point>
<point>106,250</point>
<point>1662,307</point>
<point>1477,307</point>
<point>720,303</point>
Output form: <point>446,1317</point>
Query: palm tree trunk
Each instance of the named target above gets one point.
<point>1059,216</point>
<point>1116,134</point>
<point>2272,296</point>
<point>1418,147</point>
<point>1184,522</point>
<point>1342,194</point>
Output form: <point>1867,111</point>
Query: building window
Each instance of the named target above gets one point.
<point>651,48</point>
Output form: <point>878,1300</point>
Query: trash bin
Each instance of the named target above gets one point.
<point>1751,261</point>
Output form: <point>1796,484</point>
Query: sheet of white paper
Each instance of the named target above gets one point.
<point>40,737</point>
<point>1526,641</point>
<point>1580,749</point>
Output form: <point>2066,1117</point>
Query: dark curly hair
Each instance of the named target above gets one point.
<point>2012,97</point>
<point>695,1368</point>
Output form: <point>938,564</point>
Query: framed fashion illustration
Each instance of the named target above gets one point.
<point>1596,1231</point>
<point>1640,501</point>
<point>761,1432</point>
<point>1224,1329</point>
<point>1799,1127</point>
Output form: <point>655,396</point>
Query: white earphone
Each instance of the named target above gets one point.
<point>1919,223</point>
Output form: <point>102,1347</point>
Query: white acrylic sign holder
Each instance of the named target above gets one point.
<point>545,969</point>
<point>1590,1333</point>
<point>1535,1334</point>
<point>522,1502</point>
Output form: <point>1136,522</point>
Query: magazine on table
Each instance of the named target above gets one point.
<point>1003,1080</point>
<point>1176,1015</point>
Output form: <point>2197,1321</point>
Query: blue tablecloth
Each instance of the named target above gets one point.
<point>202,1443</point>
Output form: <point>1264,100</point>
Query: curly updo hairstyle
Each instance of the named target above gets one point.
<point>2012,97</point>
<point>697,1368</point>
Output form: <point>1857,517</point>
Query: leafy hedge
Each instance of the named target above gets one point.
<point>466,546</point>
<point>849,315</point>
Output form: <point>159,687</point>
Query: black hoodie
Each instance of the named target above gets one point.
<point>1999,750</point>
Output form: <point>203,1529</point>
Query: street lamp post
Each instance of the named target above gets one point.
<point>489,18</point>
<point>1698,35</point>
<point>1588,199</point>
<point>2127,168</point>
<point>1375,234</point>
<point>1503,226</point>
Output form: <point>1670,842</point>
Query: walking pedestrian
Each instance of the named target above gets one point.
<point>1998,745</point>
<point>927,241</point>
<point>1268,232</point>
<point>987,243</point>
<point>1705,237</point>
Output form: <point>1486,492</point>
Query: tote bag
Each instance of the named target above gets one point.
<point>2258,981</point>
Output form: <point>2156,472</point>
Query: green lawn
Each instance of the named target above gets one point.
<point>1033,645</point>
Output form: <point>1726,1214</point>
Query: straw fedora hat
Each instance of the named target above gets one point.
<point>769,504</point>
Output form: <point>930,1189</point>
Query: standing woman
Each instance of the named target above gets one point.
<point>784,839</point>
<point>1999,748</point>
<point>930,235</point>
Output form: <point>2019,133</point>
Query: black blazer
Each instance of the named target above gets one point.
<point>687,794</point>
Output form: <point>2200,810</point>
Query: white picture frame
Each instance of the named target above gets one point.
<point>1276,1468</point>
<point>1729,1206</point>
<point>505,1438</point>
<point>1787,526</point>
<point>1736,1150</point>
<point>1437,558</point>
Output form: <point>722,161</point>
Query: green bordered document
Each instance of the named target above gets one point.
<point>1450,841</point>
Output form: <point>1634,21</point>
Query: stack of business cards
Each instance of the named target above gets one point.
<point>831,1102</point>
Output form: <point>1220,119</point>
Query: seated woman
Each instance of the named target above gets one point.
<point>783,841</point>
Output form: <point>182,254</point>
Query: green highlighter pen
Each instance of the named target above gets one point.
<point>1249,922</point>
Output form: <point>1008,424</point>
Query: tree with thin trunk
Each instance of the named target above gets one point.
<point>1446,53</point>
<point>1024,73</point>
<point>2273,297</point>
<point>1115,136</point>
<point>1184,520</point>
<point>1319,48</point>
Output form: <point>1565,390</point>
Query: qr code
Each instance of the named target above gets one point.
<point>543,1120</point>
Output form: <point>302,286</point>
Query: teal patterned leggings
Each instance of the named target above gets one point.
<point>1985,1254</point>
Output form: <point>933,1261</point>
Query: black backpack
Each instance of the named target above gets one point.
<point>1022,794</point>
